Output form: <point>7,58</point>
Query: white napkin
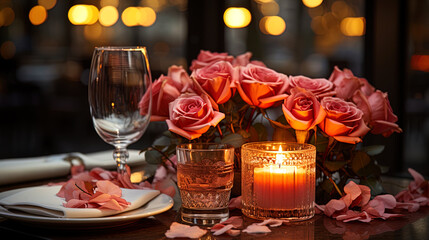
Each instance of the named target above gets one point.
<point>29,169</point>
<point>43,201</point>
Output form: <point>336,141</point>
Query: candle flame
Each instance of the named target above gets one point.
<point>280,157</point>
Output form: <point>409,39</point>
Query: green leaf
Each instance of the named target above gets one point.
<point>162,141</point>
<point>370,170</point>
<point>373,150</point>
<point>327,185</point>
<point>334,166</point>
<point>374,185</point>
<point>359,161</point>
<point>261,130</point>
<point>153,157</point>
<point>234,139</point>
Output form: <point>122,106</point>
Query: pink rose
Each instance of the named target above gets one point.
<point>343,121</point>
<point>378,113</point>
<point>319,86</point>
<point>345,83</point>
<point>261,87</point>
<point>192,115</point>
<point>206,58</point>
<point>382,117</point>
<point>216,80</point>
<point>165,90</point>
<point>302,110</point>
<point>366,88</point>
<point>244,59</point>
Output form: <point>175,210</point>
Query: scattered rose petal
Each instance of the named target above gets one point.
<point>235,203</point>
<point>272,222</point>
<point>236,221</point>
<point>233,232</point>
<point>253,228</point>
<point>178,230</point>
<point>333,206</point>
<point>223,230</point>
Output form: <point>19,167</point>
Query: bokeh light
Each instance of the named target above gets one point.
<point>37,15</point>
<point>353,26</point>
<point>147,16</point>
<point>47,4</point>
<point>7,50</point>
<point>108,16</point>
<point>312,3</point>
<point>272,25</point>
<point>8,16</point>
<point>269,8</point>
<point>237,17</point>
<point>341,10</point>
<point>82,14</point>
<point>130,16</point>
<point>420,62</point>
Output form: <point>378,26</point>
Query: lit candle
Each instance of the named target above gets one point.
<point>278,186</point>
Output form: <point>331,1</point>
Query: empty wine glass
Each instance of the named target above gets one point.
<point>119,78</point>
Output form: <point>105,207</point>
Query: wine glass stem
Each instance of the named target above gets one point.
<point>121,156</point>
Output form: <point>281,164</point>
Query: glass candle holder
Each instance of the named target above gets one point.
<point>278,180</point>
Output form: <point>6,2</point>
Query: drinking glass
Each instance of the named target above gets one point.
<point>120,97</point>
<point>205,178</point>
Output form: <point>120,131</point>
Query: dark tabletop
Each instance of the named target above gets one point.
<point>410,226</point>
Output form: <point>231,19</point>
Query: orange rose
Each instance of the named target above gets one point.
<point>343,121</point>
<point>216,80</point>
<point>302,110</point>
<point>260,86</point>
<point>192,115</point>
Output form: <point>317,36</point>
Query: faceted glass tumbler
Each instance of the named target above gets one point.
<point>278,180</point>
<point>205,177</point>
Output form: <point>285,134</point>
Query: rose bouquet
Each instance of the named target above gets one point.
<point>235,100</point>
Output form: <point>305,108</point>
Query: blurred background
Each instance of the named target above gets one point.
<point>46,48</point>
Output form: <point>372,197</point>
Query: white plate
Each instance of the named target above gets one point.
<point>158,205</point>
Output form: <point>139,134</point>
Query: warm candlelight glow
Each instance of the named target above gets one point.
<point>48,4</point>
<point>272,25</point>
<point>312,3</point>
<point>353,26</point>
<point>108,16</point>
<point>82,14</point>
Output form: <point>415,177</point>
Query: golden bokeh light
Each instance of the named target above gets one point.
<point>269,8</point>
<point>155,5</point>
<point>340,9</point>
<point>353,26</point>
<point>130,16</point>
<point>312,3</point>
<point>8,16</point>
<point>7,50</point>
<point>47,4</point>
<point>93,32</point>
<point>108,16</point>
<point>237,17</point>
<point>82,14</point>
<point>105,3</point>
<point>272,25</point>
<point>37,15</point>
<point>263,1</point>
<point>147,16</point>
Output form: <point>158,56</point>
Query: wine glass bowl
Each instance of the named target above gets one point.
<point>119,78</point>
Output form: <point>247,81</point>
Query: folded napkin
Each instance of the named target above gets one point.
<point>43,201</point>
<point>29,169</point>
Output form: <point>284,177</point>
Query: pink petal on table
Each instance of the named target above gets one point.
<point>410,206</point>
<point>388,200</point>
<point>390,215</point>
<point>223,230</point>
<point>253,228</point>
<point>404,196</point>
<point>233,232</point>
<point>319,208</point>
<point>121,201</point>
<point>184,231</point>
<point>76,169</point>
<point>100,197</point>
<point>272,222</point>
<point>236,221</point>
<point>355,216</point>
<point>101,174</point>
<point>333,206</point>
<point>235,203</point>
<point>216,227</point>
<point>418,178</point>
